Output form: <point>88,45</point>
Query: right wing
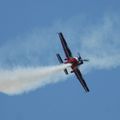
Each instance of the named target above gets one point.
<point>80,78</point>
<point>66,49</point>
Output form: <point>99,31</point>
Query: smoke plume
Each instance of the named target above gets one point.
<point>21,80</point>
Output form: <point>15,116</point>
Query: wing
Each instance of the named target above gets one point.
<point>66,49</point>
<point>80,78</point>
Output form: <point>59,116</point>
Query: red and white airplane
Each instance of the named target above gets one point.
<point>74,61</point>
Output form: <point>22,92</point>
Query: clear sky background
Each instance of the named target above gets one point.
<point>28,36</point>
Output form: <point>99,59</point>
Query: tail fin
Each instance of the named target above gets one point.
<point>61,61</point>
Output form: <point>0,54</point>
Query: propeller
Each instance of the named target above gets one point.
<point>86,60</point>
<point>80,58</point>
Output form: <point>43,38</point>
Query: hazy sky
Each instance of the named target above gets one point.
<point>28,37</point>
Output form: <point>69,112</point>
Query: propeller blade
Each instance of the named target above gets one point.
<point>79,56</point>
<point>86,60</point>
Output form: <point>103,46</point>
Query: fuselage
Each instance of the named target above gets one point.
<point>74,61</point>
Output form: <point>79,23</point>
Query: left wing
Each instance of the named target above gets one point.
<point>66,49</point>
<point>80,78</point>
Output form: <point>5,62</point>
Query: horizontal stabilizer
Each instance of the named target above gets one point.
<point>66,72</point>
<point>59,58</point>
<point>61,61</point>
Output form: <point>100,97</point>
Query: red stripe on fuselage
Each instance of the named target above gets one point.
<point>73,61</point>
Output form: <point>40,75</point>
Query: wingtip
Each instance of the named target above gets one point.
<point>59,33</point>
<point>87,90</point>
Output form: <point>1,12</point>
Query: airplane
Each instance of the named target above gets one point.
<point>74,61</point>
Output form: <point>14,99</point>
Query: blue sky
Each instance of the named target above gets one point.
<point>28,37</point>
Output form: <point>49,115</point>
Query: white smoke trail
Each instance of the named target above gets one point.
<point>21,80</point>
<point>102,45</point>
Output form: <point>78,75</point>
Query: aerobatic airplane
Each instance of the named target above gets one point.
<point>74,61</point>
